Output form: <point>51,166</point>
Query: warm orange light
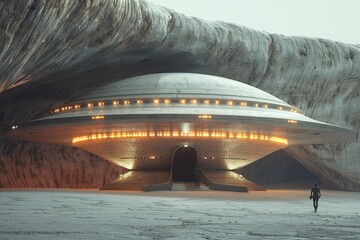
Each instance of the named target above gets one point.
<point>266,106</point>
<point>244,104</point>
<point>217,102</point>
<point>292,121</point>
<point>205,116</point>
<point>230,103</point>
<point>97,117</point>
<point>156,101</point>
<point>167,101</point>
<point>126,102</point>
<point>280,108</point>
<point>206,101</point>
<point>256,105</point>
<point>101,103</point>
<point>90,105</point>
<point>139,101</point>
<point>182,101</point>
<point>115,102</point>
<point>194,101</point>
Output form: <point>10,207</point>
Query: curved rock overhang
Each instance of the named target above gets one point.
<point>54,51</point>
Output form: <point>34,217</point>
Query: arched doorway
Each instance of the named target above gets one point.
<point>184,162</point>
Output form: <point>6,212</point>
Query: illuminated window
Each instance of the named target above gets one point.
<point>126,102</point>
<point>217,102</point>
<point>292,121</point>
<point>156,101</point>
<point>280,108</point>
<point>167,101</point>
<point>115,102</point>
<point>194,101</point>
<point>90,105</point>
<point>205,116</point>
<point>230,103</point>
<point>256,105</point>
<point>182,101</point>
<point>244,104</point>
<point>206,101</point>
<point>97,117</point>
<point>101,103</point>
<point>139,101</point>
<point>266,106</point>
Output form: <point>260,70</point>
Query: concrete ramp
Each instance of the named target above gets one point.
<point>188,186</point>
<point>140,181</point>
<point>228,181</point>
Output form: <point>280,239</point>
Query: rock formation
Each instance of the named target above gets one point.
<point>30,165</point>
<point>52,51</point>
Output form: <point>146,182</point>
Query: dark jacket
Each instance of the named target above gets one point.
<point>315,192</point>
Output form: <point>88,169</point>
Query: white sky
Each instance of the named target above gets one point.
<point>332,19</point>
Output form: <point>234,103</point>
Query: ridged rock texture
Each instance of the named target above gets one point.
<point>52,51</point>
<point>29,165</point>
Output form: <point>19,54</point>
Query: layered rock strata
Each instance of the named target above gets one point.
<point>33,165</point>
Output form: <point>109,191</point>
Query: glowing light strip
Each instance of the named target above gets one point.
<point>181,101</point>
<point>292,121</point>
<point>176,134</point>
<point>97,117</point>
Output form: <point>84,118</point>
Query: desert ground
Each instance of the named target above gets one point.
<point>94,214</point>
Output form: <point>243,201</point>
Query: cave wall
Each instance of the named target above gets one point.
<point>52,51</point>
<point>34,165</point>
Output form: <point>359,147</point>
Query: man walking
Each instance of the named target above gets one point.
<point>315,194</point>
<point>197,173</point>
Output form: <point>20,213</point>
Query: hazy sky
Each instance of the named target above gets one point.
<point>332,19</point>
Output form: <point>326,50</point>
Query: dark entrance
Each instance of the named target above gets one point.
<point>185,160</point>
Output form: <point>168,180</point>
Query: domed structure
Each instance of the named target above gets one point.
<point>164,125</point>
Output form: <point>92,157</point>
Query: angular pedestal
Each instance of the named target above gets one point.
<point>139,180</point>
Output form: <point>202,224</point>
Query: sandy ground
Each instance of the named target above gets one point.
<point>92,214</point>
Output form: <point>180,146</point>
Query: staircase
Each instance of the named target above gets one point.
<point>188,186</point>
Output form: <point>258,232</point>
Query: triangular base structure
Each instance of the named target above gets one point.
<point>161,180</point>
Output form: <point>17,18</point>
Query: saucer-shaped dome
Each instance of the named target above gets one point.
<point>138,122</point>
<point>175,85</point>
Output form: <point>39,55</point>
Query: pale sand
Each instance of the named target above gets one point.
<point>93,214</point>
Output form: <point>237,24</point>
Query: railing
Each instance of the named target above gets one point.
<point>160,186</point>
<point>221,187</point>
